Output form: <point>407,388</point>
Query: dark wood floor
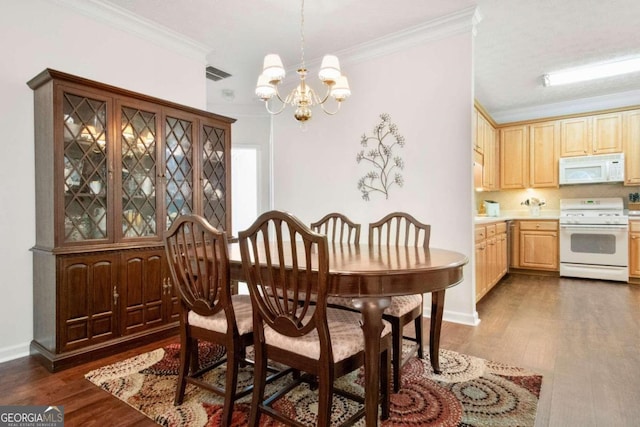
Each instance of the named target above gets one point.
<point>582,335</point>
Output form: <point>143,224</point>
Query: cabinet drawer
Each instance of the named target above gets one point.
<point>481,233</point>
<point>634,225</point>
<point>539,225</point>
<point>501,227</point>
<point>491,230</point>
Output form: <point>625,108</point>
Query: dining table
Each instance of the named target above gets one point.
<point>371,275</point>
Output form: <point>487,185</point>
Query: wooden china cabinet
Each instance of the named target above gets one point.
<point>114,169</point>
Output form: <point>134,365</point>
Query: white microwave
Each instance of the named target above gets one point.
<point>592,169</point>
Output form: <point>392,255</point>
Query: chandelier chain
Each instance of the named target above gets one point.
<point>302,34</point>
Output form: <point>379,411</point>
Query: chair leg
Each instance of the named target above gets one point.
<point>231,383</point>
<point>325,397</point>
<point>186,354</point>
<point>396,332</point>
<point>259,381</point>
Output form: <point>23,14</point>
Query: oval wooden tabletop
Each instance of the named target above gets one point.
<point>363,270</point>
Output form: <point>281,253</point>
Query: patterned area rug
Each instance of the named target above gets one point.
<point>469,392</point>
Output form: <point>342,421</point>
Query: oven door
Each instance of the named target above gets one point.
<point>594,244</point>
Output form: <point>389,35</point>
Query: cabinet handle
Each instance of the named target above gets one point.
<point>115,295</point>
<point>166,286</point>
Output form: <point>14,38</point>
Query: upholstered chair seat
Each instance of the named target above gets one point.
<point>346,336</point>
<point>218,322</point>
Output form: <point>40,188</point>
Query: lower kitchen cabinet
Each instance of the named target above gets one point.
<point>538,245</point>
<point>491,256</point>
<point>102,302</point>
<point>634,251</point>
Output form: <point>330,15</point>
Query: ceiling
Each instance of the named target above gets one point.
<point>517,41</point>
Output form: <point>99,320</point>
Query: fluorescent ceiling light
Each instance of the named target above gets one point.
<point>591,72</point>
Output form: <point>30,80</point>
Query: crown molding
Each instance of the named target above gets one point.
<point>459,22</point>
<point>122,19</point>
<point>577,106</point>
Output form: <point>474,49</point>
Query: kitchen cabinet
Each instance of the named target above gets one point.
<point>544,152</point>
<point>481,265</point>
<point>631,146</point>
<point>491,256</point>
<point>538,245</point>
<point>491,159</point>
<point>514,157</point>
<point>486,152</point>
<point>114,169</point>
<point>588,135</point>
<point>634,251</point>
<point>479,123</point>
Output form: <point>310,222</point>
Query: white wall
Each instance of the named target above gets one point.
<point>39,34</point>
<point>427,89</point>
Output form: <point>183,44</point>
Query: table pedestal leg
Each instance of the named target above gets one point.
<point>371,309</point>
<point>437,309</point>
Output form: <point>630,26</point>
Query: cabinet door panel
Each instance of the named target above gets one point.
<point>214,176</point>
<point>544,152</point>
<point>138,127</point>
<point>142,290</point>
<point>514,157</point>
<point>575,137</point>
<point>87,300</point>
<point>84,167</point>
<point>539,249</point>
<point>179,168</point>
<point>631,142</point>
<point>607,133</point>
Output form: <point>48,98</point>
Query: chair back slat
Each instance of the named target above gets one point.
<point>286,267</point>
<point>338,228</point>
<point>198,260</point>
<point>400,229</point>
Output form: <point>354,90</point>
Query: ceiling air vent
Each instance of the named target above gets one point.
<point>216,74</point>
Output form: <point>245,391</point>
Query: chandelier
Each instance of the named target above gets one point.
<point>303,97</point>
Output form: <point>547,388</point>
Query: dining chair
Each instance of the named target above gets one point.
<point>198,259</point>
<point>399,228</point>
<point>338,228</point>
<point>282,256</point>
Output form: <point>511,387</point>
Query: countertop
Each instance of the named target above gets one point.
<point>517,215</point>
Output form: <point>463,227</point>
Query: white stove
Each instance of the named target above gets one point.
<point>594,239</point>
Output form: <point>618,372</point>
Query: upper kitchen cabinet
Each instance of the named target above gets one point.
<point>486,149</point>
<point>631,144</point>
<point>479,123</point>
<point>544,151</point>
<point>597,134</point>
<point>514,157</point>
<point>114,169</point>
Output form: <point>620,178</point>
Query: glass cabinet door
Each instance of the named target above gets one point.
<point>178,168</point>
<point>138,143</point>
<point>213,176</point>
<point>85,168</point>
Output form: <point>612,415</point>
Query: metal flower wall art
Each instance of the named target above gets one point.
<point>378,153</point>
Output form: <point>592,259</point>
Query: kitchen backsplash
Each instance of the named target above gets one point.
<point>510,199</point>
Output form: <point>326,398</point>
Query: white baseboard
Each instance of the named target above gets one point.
<point>13,352</point>
<point>456,317</point>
